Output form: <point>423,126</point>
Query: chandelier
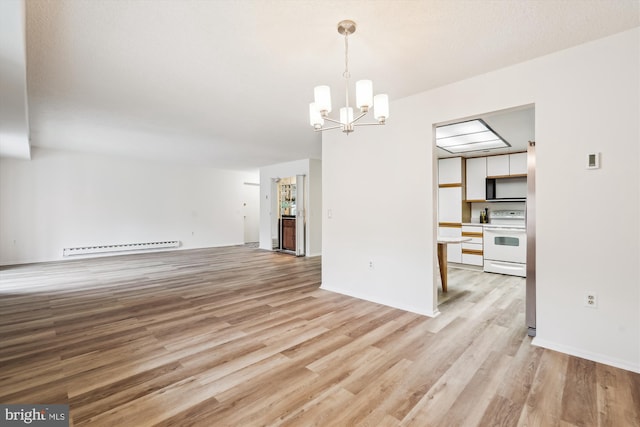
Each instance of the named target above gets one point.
<point>321,107</point>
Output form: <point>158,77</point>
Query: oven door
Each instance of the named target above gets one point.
<point>505,244</point>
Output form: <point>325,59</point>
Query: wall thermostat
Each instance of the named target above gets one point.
<point>593,161</point>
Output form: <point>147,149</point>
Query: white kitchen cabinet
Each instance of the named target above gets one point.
<point>454,250</point>
<point>450,204</point>
<point>476,174</point>
<point>498,165</point>
<point>450,170</point>
<point>472,251</point>
<point>507,164</point>
<point>518,164</point>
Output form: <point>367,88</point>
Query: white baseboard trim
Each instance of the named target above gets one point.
<point>367,298</point>
<point>314,254</point>
<point>594,357</point>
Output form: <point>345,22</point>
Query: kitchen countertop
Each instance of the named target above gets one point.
<point>477,224</point>
<point>445,240</point>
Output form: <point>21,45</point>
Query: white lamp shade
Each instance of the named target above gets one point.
<point>346,115</point>
<point>322,98</point>
<point>315,118</point>
<point>381,106</point>
<point>364,93</point>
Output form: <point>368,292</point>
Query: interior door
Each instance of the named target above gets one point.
<point>251,212</point>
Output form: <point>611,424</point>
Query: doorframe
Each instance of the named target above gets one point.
<point>530,296</point>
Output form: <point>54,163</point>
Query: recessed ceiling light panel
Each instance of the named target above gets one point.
<point>472,135</point>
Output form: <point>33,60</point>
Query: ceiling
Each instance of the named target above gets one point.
<point>227,83</point>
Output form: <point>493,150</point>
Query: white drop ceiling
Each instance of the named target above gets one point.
<point>227,83</point>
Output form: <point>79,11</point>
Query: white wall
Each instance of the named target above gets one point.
<point>586,99</point>
<point>375,185</point>
<point>14,126</point>
<point>314,213</point>
<point>64,199</point>
<point>312,169</point>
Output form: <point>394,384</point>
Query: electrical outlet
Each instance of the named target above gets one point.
<point>591,300</point>
<point>371,264</point>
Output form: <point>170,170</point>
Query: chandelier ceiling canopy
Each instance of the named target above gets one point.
<point>321,107</point>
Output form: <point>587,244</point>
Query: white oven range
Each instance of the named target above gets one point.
<point>505,243</point>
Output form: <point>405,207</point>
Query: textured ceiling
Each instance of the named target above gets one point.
<point>227,83</point>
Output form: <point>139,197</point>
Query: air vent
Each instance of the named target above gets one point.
<point>124,247</point>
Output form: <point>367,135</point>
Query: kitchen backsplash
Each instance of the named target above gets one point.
<point>493,206</point>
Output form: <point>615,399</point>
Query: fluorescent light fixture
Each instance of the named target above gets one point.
<point>472,135</point>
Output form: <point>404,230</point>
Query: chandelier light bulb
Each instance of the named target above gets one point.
<point>381,107</point>
<point>364,94</point>
<point>322,98</point>
<point>315,118</point>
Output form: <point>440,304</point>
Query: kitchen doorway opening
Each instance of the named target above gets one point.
<point>486,194</point>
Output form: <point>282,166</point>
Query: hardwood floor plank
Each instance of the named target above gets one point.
<point>501,412</point>
<point>103,399</point>
<point>580,386</point>
<point>477,395</point>
<point>442,395</point>
<point>373,396</point>
<point>238,336</point>
<point>320,411</point>
<point>614,400</point>
<point>544,404</point>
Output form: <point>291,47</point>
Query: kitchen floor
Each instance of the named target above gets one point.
<point>470,282</point>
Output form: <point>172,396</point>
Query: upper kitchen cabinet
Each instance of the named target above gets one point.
<point>518,164</point>
<point>507,165</point>
<point>450,171</point>
<point>476,174</point>
<point>498,165</point>
<point>450,191</point>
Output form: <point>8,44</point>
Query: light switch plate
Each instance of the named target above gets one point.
<point>593,161</point>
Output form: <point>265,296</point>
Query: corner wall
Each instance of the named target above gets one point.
<point>65,199</point>
<point>380,187</point>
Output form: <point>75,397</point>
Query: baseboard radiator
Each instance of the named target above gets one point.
<point>120,248</point>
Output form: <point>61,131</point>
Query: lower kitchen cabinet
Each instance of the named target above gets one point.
<point>454,251</point>
<point>472,251</point>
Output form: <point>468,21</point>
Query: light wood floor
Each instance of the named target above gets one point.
<point>243,337</point>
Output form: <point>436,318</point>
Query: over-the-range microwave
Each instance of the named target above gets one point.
<point>507,189</point>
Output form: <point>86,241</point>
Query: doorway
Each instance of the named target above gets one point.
<point>462,205</point>
<point>288,214</point>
